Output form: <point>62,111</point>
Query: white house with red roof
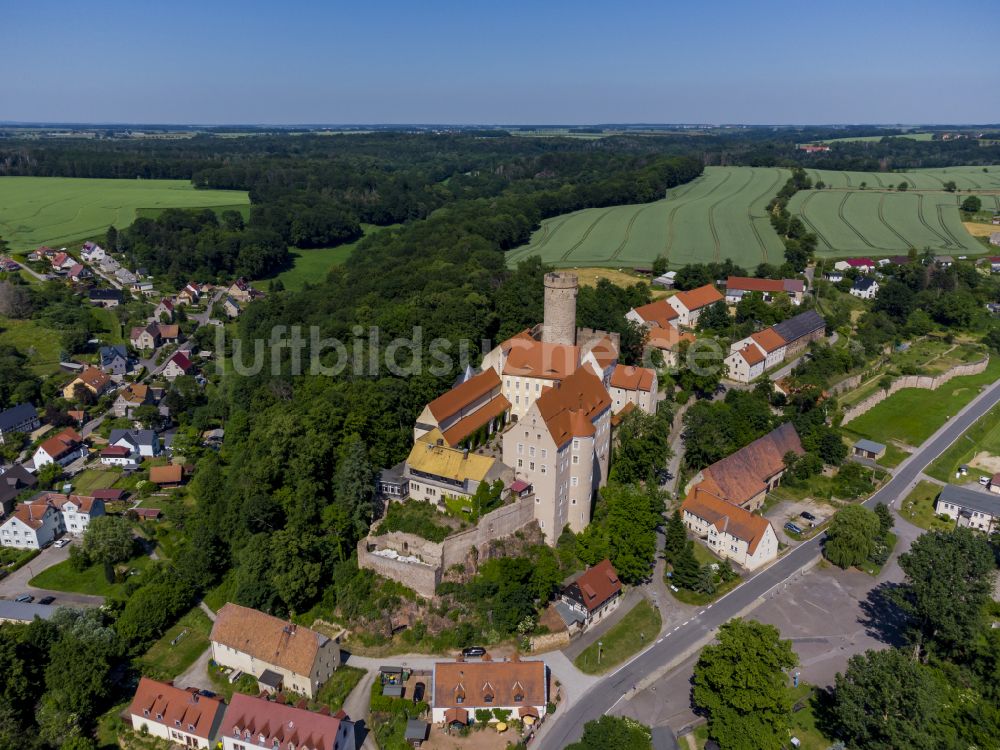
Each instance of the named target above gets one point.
<point>251,722</point>
<point>62,449</point>
<point>594,594</point>
<point>633,385</point>
<point>79,272</point>
<point>77,510</point>
<point>183,717</point>
<point>177,365</point>
<point>32,525</point>
<point>746,364</point>
<point>690,304</point>
<point>62,260</point>
<point>730,531</point>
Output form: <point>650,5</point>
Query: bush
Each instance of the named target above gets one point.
<point>483,715</point>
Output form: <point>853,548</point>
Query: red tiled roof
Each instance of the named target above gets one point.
<point>859,262</point>
<point>667,337</point>
<point>632,378</point>
<point>162,703</point>
<point>769,340</point>
<point>570,408</point>
<point>58,446</point>
<point>84,502</point>
<point>464,395</point>
<point>32,514</point>
<point>115,451</point>
<point>596,585</point>
<point>181,361</point>
<point>282,725</point>
<point>473,681</point>
<point>94,379</point>
<point>769,286</point>
<point>171,474</point>
<point>742,475</point>
<point>538,359</point>
<point>658,313</point>
<point>267,638</point>
<point>468,425</point>
<point>605,352</point>
<point>752,355</point>
<point>695,299</point>
<point>726,517</point>
<point>108,494</point>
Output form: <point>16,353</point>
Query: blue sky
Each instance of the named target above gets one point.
<point>548,61</point>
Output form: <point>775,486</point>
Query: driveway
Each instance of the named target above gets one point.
<point>17,582</point>
<point>786,511</point>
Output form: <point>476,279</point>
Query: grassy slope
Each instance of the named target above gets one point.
<point>165,661</point>
<point>41,344</point>
<point>58,210</point>
<point>913,414</point>
<point>62,577</point>
<point>918,507</point>
<point>984,435</point>
<point>623,640</point>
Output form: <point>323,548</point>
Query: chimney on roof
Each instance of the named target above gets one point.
<point>465,452</point>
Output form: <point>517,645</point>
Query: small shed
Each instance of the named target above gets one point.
<point>869,449</point>
<point>416,732</point>
<point>269,681</point>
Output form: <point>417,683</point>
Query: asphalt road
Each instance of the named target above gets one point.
<point>566,727</point>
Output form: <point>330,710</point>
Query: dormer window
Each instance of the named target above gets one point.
<point>177,723</point>
<point>159,717</point>
<point>190,727</point>
<point>145,712</point>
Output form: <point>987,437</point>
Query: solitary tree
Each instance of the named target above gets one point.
<point>885,519</point>
<point>851,536</point>
<point>686,570</point>
<point>675,537</point>
<point>972,204</point>
<point>108,540</point>
<point>741,685</point>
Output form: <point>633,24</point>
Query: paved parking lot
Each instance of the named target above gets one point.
<point>784,512</point>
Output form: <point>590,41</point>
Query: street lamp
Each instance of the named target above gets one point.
<point>600,645</point>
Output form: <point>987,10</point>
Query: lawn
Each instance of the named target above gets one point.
<point>335,690</point>
<point>631,634</point>
<point>699,599</point>
<point>62,577</point>
<point>92,479</point>
<point>113,333</point>
<point>59,210</point>
<point>982,437</point>
<point>918,508</point>
<point>312,266</point>
<point>41,345</point>
<point>165,660</point>
<point>913,414</point>
<point>893,456</point>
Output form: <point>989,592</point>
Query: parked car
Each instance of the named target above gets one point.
<point>984,481</point>
<point>473,651</point>
<point>25,599</point>
<point>793,528</point>
<point>46,600</point>
<point>418,692</point>
<point>807,515</point>
<point>61,543</point>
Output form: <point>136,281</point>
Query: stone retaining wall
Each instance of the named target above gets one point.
<point>914,381</point>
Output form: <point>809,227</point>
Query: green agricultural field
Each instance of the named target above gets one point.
<point>720,215</point>
<point>723,214</point>
<point>59,210</point>
<point>876,138</point>
<point>41,344</point>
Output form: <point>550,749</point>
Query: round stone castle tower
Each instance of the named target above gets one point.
<point>559,326</point>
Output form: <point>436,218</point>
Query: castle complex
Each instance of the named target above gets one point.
<point>537,417</point>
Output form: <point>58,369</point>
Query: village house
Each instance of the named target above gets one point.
<point>279,654</point>
<point>969,507</point>
<point>130,398</point>
<point>633,385</point>
<point>730,531</point>
<point>600,354</point>
<point>42,253</point>
<point>769,342</point>
<point>105,297</point>
<point>690,304</point>
<point>190,294</point>
<point>594,594</point>
<point>164,310</point>
<point>62,261</point>
<point>739,286</point>
<point>657,314</point>
<point>170,333</point>
<point>118,455</point>
<point>995,238</point>
<point>475,406</point>
<point>32,525</point>
<point>668,340</point>
<point>994,264</point>
<point>92,252</point>
<point>435,471</point>
<point>125,277</point>
<point>79,272</point>
<point>62,449</point>
<point>14,480</point>
<point>745,477</point>
<point>114,360</point>
<point>254,722</point>
<point>185,717</point>
<point>241,291</point>
<point>861,265</point>
<point>142,288</point>
<point>460,687</point>
<point>799,331</point>
<point>144,443</point>
<point>231,307</point>
<point>834,277</point>
<point>77,510</point>
<point>92,379</point>
<point>177,365</point>
<point>561,447</point>
<point>746,364</point>
<point>146,338</point>
<point>22,419</point>
<point>865,288</point>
